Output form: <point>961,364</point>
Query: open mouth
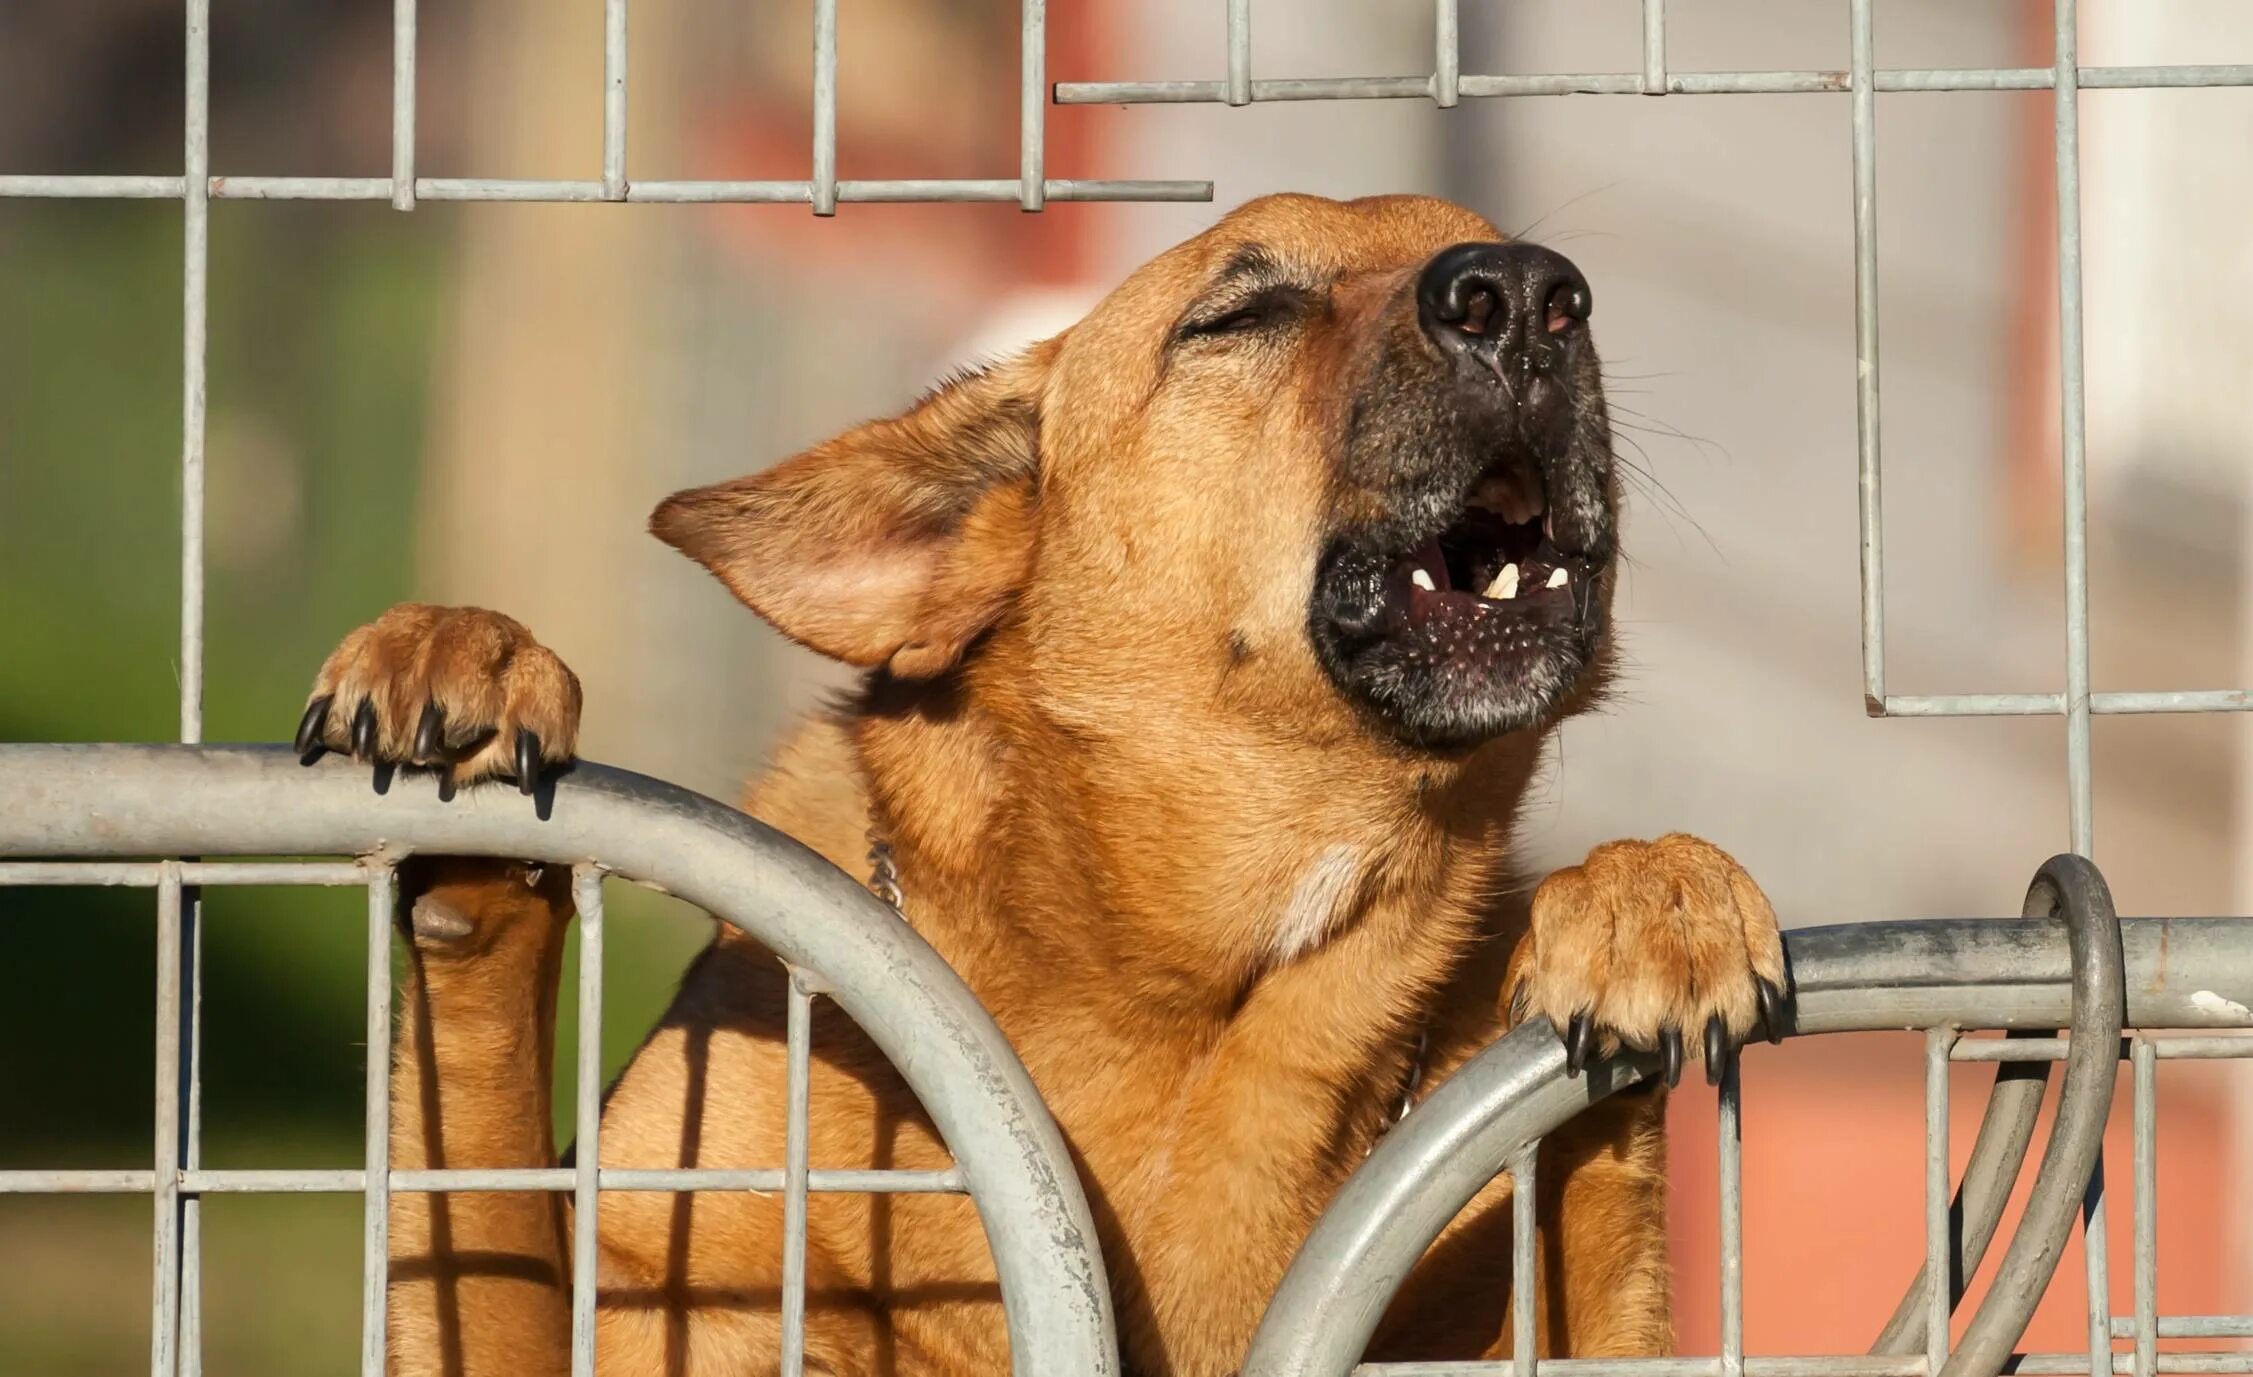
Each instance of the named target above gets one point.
<point>1497,565</point>
<point>1483,628</point>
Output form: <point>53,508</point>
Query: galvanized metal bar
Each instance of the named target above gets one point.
<point>1032,106</point>
<point>91,188</point>
<point>150,874</point>
<point>1447,53</point>
<point>171,1097</point>
<point>2096,1255</point>
<point>2020,973</point>
<point>1739,83</point>
<point>824,184</point>
<point>173,800</point>
<point>2068,890</point>
<point>938,189</point>
<point>2055,1049</point>
<point>1654,47</point>
<point>2071,426</point>
<point>402,104</point>
<point>1940,1278</point>
<point>1868,480</point>
<point>1239,90</point>
<point>39,1181</point>
<point>195,299</point>
<point>586,897</point>
<point>2144,1203</point>
<point>191,1208</point>
<point>2052,704</point>
<point>285,1181</point>
<point>1525,1267</point>
<point>2006,1127</point>
<point>614,69</point>
<point>1729,1153</point>
<point>375,1224</point>
<point>797,1114</point>
<point>2189,1327</point>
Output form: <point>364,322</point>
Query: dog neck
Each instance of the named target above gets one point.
<point>1188,879</point>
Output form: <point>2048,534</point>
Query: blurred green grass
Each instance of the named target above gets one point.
<point>323,325</point>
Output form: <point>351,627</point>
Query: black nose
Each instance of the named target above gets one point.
<point>1508,308</point>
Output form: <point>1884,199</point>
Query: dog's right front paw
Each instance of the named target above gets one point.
<point>458,689</point>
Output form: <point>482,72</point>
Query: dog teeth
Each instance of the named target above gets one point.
<point>1505,585</point>
<point>1560,578</point>
<point>1422,578</point>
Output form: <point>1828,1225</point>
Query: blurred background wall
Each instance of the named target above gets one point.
<point>481,403</point>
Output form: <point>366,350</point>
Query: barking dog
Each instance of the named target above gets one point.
<point>1210,648</point>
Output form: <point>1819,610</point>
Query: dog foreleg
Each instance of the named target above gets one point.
<point>479,1280</point>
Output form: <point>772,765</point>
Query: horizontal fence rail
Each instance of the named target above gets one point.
<point>66,805</point>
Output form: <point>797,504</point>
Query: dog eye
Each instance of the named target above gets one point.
<point>1264,310</point>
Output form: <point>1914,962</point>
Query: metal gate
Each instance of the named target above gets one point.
<point>72,805</point>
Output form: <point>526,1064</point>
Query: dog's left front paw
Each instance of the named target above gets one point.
<point>1646,941</point>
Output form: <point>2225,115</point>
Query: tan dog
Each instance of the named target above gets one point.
<point>1199,749</point>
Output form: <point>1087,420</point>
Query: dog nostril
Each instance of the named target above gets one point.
<point>1568,306</point>
<point>1478,315</point>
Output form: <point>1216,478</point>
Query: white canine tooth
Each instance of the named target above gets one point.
<point>1560,578</point>
<point>1505,584</point>
<point>1422,578</point>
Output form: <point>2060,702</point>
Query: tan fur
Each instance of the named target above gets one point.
<point>1108,765</point>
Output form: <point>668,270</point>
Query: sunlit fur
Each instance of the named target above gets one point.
<point>1212,903</point>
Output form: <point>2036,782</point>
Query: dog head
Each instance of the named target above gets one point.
<point>1328,470</point>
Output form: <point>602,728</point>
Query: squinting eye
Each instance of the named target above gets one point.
<point>1235,323</point>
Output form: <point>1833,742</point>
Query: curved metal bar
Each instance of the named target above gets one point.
<point>2070,888</point>
<point>68,801</point>
<point>1979,973</point>
<point>2005,1131</point>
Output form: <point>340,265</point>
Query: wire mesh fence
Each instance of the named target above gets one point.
<point>66,807</point>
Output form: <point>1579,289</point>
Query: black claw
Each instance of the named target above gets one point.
<point>1580,1038</point>
<point>310,726</point>
<point>527,759</point>
<point>1771,1010</point>
<point>1670,1056</point>
<point>363,730</point>
<point>1716,1049</point>
<point>430,733</point>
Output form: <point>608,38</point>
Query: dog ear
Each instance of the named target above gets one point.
<point>894,544</point>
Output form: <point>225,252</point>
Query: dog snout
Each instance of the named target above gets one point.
<point>1509,310</point>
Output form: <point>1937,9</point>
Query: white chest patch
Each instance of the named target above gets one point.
<point>1316,900</point>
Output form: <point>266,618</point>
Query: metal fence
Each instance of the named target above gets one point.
<point>88,802</point>
<point>73,803</point>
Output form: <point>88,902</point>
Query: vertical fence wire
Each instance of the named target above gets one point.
<point>1939,1269</point>
<point>825,107</point>
<point>586,897</point>
<point>1863,83</point>
<point>183,1291</point>
<point>1447,53</point>
<point>1032,107</point>
<point>191,1148</point>
<point>1525,1291</point>
<point>2144,1202</point>
<point>164,1306</point>
<point>375,1228</point>
<point>1730,1155</point>
<point>614,60</point>
<point>2095,1256</point>
<point>403,104</point>
<point>2071,447</point>
<point>1239,52</point>
<point>1654,47</point>
<point>794,1154</point>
